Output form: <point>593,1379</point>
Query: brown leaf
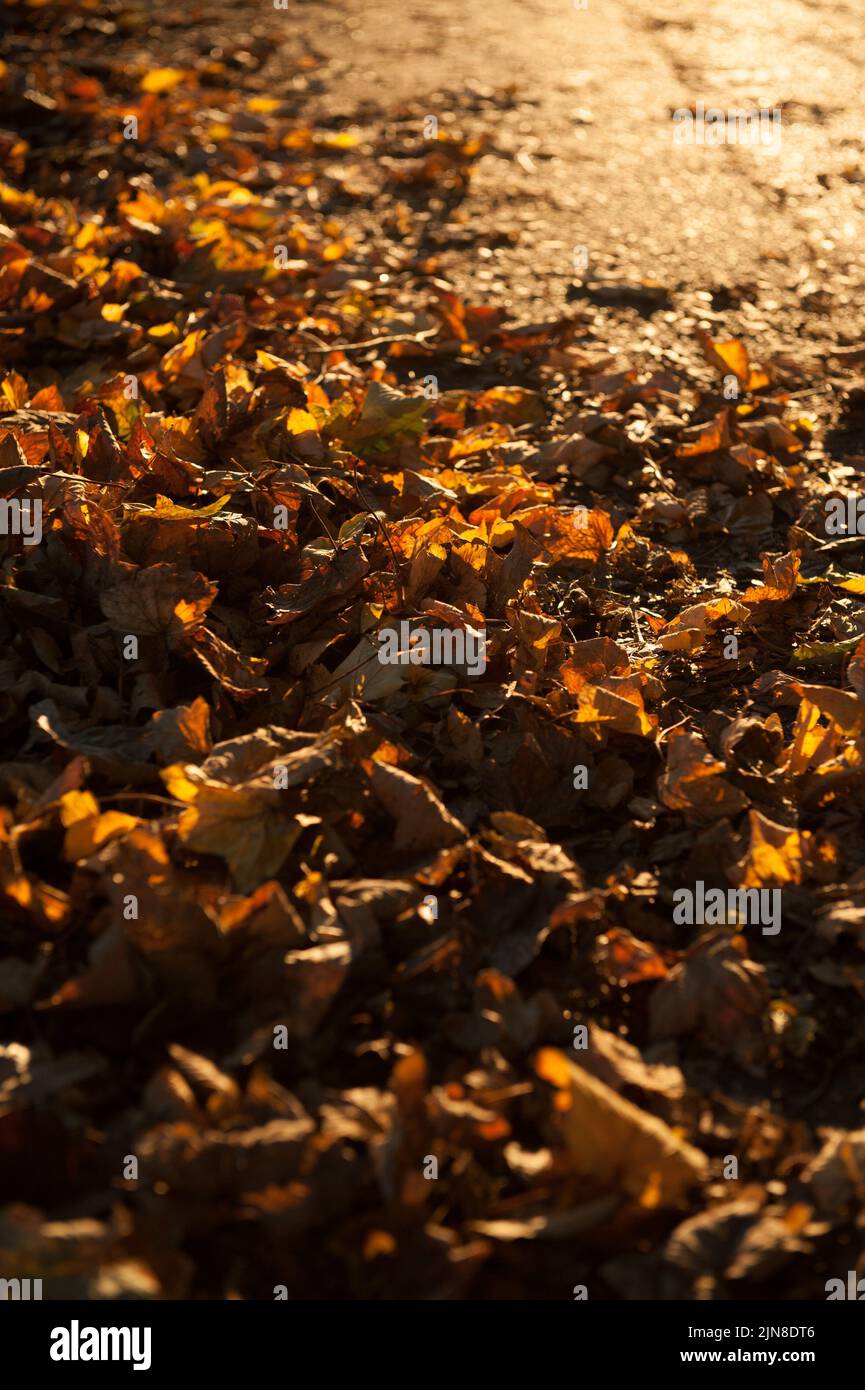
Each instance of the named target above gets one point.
<point>616,1144</point>
<point>422,821</point>
<point>717,990</point>
<point>161,601</point>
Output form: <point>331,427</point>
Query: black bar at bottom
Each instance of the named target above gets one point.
<point>143,1339</point>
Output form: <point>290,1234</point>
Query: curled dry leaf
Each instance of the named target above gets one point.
<point>422,822</point>
<point>162,601</point>
<point>714,989</point>
<point>613,1142</point>
<point>837,1175</point>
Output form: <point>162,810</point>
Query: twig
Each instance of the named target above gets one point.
<point>324,526</point>
<point>419,338</point>
<point>377,519</point>
<point>143,796</point>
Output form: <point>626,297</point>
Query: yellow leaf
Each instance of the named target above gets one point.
<point>620,709</point>
<point>339,140</point>
<point>299,421</point>
<point>50,905</point>
<point>690,628</point>
<point>780,578</point>
<point>336,250</point>
<point>178,784</point>
<point>163,79</point>
<point>775,854</point>
<point>167,510</point>
<point>88,834</point>
<point>75,806</point>
<point>812,741</point>
<point>243,827</point>
<point>732,356</point>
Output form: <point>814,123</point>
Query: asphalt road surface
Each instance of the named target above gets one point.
<point>584,154</point>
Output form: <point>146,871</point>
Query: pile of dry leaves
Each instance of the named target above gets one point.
<point>296,945</point>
